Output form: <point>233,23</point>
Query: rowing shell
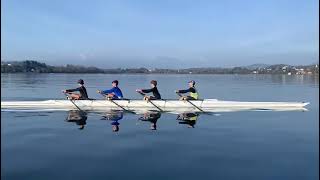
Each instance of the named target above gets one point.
<point>208,105</point>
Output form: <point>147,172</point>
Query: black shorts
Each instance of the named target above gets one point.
<point>152,98</point>
<point>82,98</point>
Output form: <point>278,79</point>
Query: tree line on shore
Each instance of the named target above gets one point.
<point>30,66</point>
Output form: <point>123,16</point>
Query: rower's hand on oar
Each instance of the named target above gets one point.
<point>64,91</point>
<point>176,91</point>
<point>98,91</point>
<point>138,90</point>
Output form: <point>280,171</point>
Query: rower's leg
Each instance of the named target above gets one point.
<point>110,96</point>
<point>146,98</point>
<point>183,98</point>
<point>190,98</point>
<point>75,96</point>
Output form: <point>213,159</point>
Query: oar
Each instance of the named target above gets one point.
<point>73,103</point>
<point>191,103</point>
<point>118,104</point>
<point>151,102</point>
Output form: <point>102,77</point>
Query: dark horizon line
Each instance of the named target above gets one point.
<point>230,67</point>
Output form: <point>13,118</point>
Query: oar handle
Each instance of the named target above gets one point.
<point>102,94</point>
<point>66,94</point>
<point>141,93</point>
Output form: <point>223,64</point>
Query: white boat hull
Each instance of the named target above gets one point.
<point>208,105</point>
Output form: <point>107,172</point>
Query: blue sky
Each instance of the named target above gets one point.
<point>164,33</point>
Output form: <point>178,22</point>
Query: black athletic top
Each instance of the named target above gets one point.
<point>82,90</point>
<point>192,89</point>
<point>154,90</point>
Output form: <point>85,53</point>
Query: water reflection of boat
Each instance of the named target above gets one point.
<point>113,116</point>
<point>152,117</point>
<point>188,118</point>
<point>79,117</point>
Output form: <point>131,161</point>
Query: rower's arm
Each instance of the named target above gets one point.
<point>184,91</point>
<point>72,90</point>
<point>107,91</point>
<point>187,90</point>
<point>147,90</point>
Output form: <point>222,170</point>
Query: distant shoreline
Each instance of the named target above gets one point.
<point>32,73</point>
<point>37,67</point>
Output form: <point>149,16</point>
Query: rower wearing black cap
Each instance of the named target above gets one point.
<point>81,89</point>
<point>192,90</point>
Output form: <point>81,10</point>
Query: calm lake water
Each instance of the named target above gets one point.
<point>234,145</point>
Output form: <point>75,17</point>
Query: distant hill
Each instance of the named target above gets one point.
<point>30,66</point>
<point>256,66</point>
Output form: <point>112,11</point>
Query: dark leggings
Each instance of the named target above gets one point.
<point>190,98</point>
<point>152,98</point>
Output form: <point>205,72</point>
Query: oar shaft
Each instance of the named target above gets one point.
<point>118,104</point>
<point>195,106</point>
<point>191,103</point>
<point>73,102</point>
<point>155,105</point>
<point>151,102</point>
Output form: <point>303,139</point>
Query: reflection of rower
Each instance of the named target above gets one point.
<point>78,117</point>
<point>188,118</point>
<point>152,117</point>
<point>114,116</point>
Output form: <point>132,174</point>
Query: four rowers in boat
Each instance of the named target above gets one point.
<point>115,92</point>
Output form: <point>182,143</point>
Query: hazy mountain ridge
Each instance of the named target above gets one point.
<point>257,66</point>
<point>37,67</point>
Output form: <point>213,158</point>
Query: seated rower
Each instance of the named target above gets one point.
<point>192,90</point>
<point>114,92</point>
<point>75,96</point>
<point>154,90</point>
